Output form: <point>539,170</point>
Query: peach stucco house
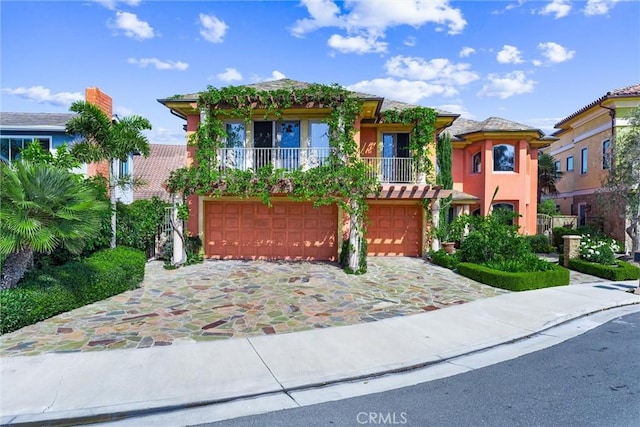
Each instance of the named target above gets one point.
<point>231,227</point>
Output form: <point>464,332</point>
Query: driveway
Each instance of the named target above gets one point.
<point>228,299</point>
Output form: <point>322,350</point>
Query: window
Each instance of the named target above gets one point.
<point>123,168</point>
<point>582,214</point>
<point>503,158</point>
<point>10,146</point>
<point>318,143</point>
<point>557,165</point>
<point>606,154</point>
<point>584,158</point>
<point>396,162</point>
<point>504,207</point>
<point>569,163</point>
<point>235,135</point>
<point>476,163</point>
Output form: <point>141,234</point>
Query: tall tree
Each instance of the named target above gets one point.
<point>42,208</point>
<point>548,175</point>
<point>104,139</point>
<point>621,185</point>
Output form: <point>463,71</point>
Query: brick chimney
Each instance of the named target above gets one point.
<point>95,96</point>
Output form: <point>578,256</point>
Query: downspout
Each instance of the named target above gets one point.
<point>612,114</point>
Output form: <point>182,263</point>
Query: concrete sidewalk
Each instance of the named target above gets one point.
<point>75,388</point>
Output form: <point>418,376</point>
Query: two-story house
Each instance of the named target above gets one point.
<point>583,155</point>
<point>246,228</point>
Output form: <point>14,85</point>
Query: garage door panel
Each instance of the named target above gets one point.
<point>252,230</point>
<point>394,230</point>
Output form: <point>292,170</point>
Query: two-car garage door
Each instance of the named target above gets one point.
<point>287,230</point>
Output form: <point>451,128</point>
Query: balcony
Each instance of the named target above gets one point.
<point>394,170</point>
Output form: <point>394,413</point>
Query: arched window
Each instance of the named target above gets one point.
<point>476,163</point>
<point>504,206</point>
<point>504,159</point>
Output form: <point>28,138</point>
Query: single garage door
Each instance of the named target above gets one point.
<point>287,230</point>
<point>394,230</point>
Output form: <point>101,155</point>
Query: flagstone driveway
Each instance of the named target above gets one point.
<point>224,299</point>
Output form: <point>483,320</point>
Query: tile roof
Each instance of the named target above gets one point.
<point>34,119</point>
<point>154,170</point>
<point>625,92</point>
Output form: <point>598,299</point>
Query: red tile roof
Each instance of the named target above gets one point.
<point>155,169</point>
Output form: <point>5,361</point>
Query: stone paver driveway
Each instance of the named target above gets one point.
<point>224,299</point>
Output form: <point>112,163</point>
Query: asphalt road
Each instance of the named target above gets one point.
<point>590,380</point>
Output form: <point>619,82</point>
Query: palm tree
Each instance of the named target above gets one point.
<point>102,139</point>
<point>548,175</point>
<point>42,208</point>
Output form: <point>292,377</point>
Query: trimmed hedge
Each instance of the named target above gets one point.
<point>557,276</point>
<point>444,259</point>
<point>45,293</point>
<point>624,271</point>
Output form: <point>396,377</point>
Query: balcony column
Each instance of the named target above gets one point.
<point>435,223</point>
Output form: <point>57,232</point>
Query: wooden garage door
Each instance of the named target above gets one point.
<point>394,230</point>
<point>252,230</point>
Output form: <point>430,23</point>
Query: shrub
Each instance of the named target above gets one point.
<point>54,290</point>
<point>138,223</point>
<point>444,259</point>
<point>529,262</point>
<point>598,250</point>
<point>539,244</point>
<point>521,281</point>
<point>548,207</point>
<point>622,271</point>
<point>559,233</point>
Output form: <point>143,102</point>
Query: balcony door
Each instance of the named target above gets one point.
<point>288,138</point>
<point>262,142</point>
<point>395,157</point>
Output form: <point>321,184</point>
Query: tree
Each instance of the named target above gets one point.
<point>42,208</point>
<point>621,185</point>
<point>102,139</point>
<point>548,175</point>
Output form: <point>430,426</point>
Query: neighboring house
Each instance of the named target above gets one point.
<point>154,170</point>
<point>495,165</point>
<point>583,155</point>
<point>231,227</point>
<point>17,130</point>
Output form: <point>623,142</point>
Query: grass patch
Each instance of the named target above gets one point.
<point>54,290</point>
<point>622,271</point>
<point>520,281</point>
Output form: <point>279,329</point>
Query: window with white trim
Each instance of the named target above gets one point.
<point>11,146</point>
<point>476,163</point>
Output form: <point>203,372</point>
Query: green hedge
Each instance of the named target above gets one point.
<point>557,276</point>
<point>444,259</point>
<point>45,293</point>
<point>624,271</point>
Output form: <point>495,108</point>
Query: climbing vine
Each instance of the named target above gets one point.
<point>343,179</point>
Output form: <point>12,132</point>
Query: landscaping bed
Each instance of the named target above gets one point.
<point>621,270</point>
<point>54,290</point>
<point>515,281</point>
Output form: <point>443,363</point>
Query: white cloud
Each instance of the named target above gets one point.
<point>466,51</point>
<point>439,70</point>
<point>113,4</point>
<point>558,8</point>
<point>456,109</point>
<point>409,41</point>
<point>598,7</point>
<point>356,44</point>
<point>507,85</point>
<point>123,111</point>
<point>402,90</point>
<point>160,65</point>
<point>275,75</point>
<point>161,135</point>
<point>43,95</point>
<point>378,15</point>
<point>229,75</point>
<point>536,63</point>
<point>509,55</point>
<point>213,29</point>
<point>555,52</point>
<point>132,26</point>
<point>545,124</point>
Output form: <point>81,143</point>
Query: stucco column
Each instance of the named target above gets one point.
<point>571,248</point>
<point>435,223</point>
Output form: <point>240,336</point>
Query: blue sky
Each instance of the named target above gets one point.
<point>533,62</point>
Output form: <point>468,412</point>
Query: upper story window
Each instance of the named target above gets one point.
<point>476,163</point>
<point>395,145</point>
<point>504,158</point>
<point>584,160</point>
<point>556,165</point>
<point>235,135</point>
<point>123,168</point>
<point>606,154</point>
<point>318,142</point>
<point>569,163</point>
<point>11,146</point>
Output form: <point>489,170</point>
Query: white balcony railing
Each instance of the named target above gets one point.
<point>387,170</point>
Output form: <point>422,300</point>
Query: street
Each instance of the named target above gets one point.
<point>590,380</point>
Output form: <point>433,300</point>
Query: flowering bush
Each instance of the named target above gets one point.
<point>598,250</point>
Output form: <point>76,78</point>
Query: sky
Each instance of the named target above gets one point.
<point>532,62</point>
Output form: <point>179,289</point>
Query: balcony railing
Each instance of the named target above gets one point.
<point>387,170</point>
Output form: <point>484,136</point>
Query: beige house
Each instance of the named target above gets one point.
<point>583,155</point>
